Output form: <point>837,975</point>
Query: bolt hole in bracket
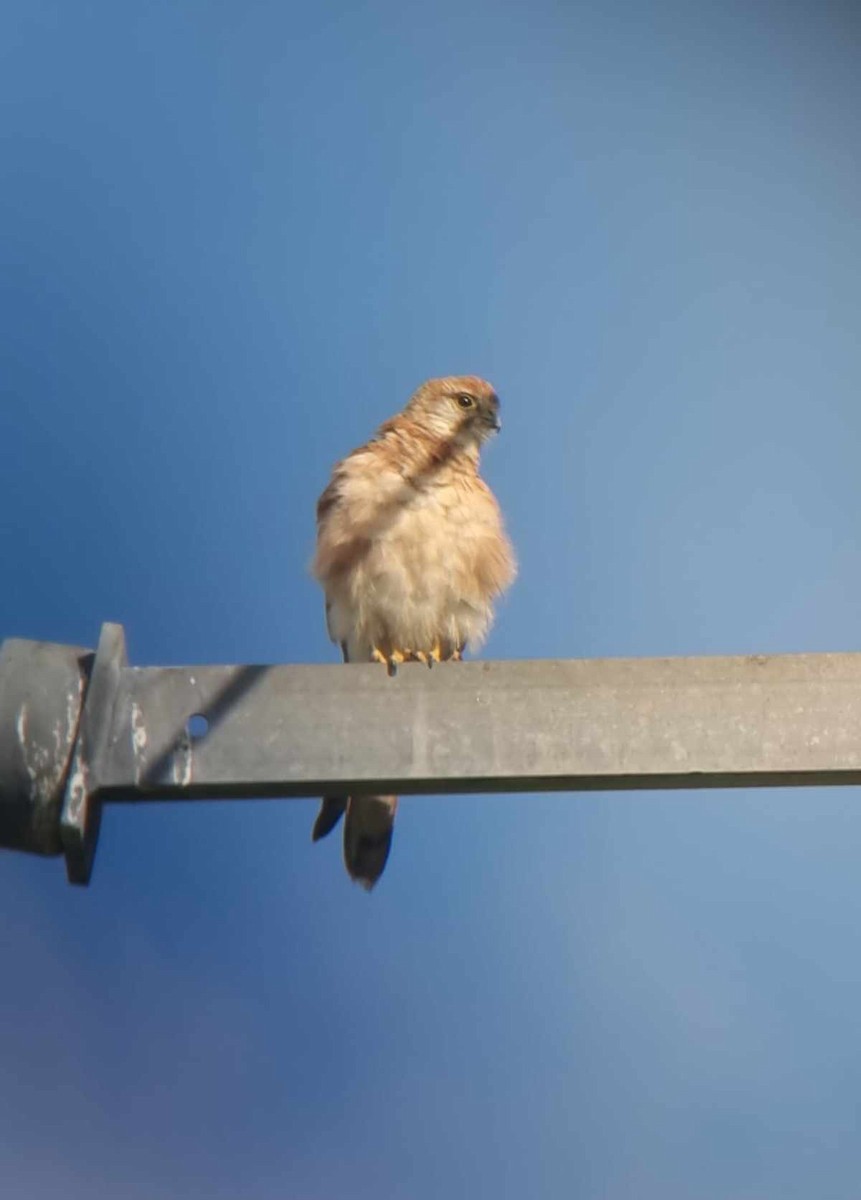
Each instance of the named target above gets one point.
<point>197,726</point>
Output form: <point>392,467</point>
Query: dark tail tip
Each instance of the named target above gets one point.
<point>331,811</point>
<point>366,857</point>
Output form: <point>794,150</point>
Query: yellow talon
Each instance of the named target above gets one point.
<point>378,656</point>
<point>394,660</point>
<point>436,652</point>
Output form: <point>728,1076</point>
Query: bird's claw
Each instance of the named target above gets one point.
<point>393,659</point>
<point>429,657</point>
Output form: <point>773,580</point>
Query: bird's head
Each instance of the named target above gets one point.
<point>461,408</point>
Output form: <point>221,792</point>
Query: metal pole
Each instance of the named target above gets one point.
<point>297,730</point>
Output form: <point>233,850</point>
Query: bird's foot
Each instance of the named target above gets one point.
<point>435,654</point>
<point>391,657</point>
<point>396,657</point>
<point>429,657</point>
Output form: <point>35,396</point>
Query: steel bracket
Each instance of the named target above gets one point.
<point>79,730</point>
<point>54,705</point>
<point>81,816</point>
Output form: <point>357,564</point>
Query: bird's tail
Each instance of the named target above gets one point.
<point>368,829</point>
<point>331,811</point>
<point>370,820</point>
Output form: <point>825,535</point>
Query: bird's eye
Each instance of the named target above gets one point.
<point>466,401</point>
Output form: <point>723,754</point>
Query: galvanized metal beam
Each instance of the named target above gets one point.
<point>172,733</point>
<point>41,693</point>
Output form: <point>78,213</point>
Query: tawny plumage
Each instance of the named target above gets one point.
<point>411,553</point>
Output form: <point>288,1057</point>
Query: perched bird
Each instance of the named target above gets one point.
<point>411,553</point>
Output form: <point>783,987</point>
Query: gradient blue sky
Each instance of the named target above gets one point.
<point>235,236</point>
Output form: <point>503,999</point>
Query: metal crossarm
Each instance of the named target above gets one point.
<point>78,730</point>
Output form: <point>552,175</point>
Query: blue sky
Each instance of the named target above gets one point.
<point>236,237</point>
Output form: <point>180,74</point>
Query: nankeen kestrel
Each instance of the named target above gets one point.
<point>411,553</point>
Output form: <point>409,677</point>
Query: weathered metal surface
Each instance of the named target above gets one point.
<point>487,726</point>
<point>41,688</point>
<point>162,733</point>
<point>81,814</point>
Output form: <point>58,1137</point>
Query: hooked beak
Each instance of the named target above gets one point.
<point>493,422</point>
